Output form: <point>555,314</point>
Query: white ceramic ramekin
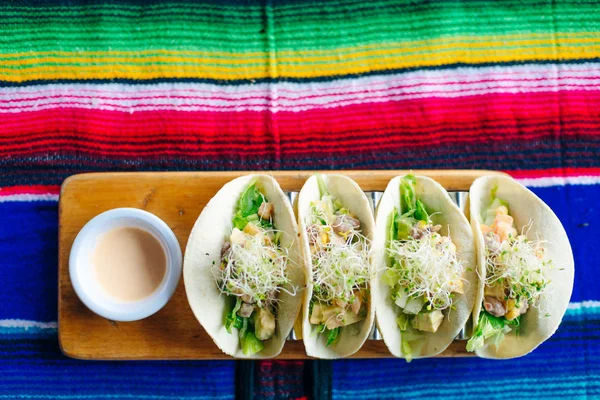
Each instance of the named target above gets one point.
<point>83,276</point>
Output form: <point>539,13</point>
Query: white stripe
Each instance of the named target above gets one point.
<point>28,197</point>
<point>560,181</point>
<point>529,182</point>
<point>294,97</point>
<point>20,323</point>
<point>584,305</point>
<point>25,324</point>
<point>282,105</point>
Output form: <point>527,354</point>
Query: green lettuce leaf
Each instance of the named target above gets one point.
<point>322,187</point>
<point>232,320</point>
<point>489,214</point>
<point>250,201</point>
<point>332,336</point>
<point>251,344</point>
<point>407,194</point>
<point>489,330</point>
<point>392,230</point>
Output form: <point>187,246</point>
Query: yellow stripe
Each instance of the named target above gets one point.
<point>401,50</point>
<point>340,67</point>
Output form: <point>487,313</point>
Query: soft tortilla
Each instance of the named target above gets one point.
<point>352,337</point>
<point>542,320</point>
<point>453,222</point>
<point>204,248</point>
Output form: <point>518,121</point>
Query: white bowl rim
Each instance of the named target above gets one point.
<point>147,306</point>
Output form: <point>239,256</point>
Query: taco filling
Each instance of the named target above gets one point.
<point>252,271</point>
<point>515,275</point>
<point>340,265</point>
<point>422,269</point>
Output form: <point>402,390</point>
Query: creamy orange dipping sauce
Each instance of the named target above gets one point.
<point>129,263</point>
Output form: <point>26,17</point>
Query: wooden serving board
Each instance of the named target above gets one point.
<point>178,198</point>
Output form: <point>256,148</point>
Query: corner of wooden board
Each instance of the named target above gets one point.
<point>65,349</point>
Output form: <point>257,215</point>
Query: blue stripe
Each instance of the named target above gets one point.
<point>567,365</point>
<point>28,260</point>
<point>578,208</point>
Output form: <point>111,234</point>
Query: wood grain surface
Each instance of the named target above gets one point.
<point>177,198</point>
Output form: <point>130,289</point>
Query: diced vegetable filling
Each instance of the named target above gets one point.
<point>252,271</point>
<point>515,278</point>
<point>340,263</point>
<point>423,269</point>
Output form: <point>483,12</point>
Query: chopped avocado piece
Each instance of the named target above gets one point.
<point>316,316</point>
<point>333,316</point>
<point>390,277</point>
<point>401,298</point>
<point>413,306</point>
<point>237,237</point>
<point>337,205</point>
<point>349,318</point>
<point>264,323</point>
<point>403,226</point>
<point>252,229</point>
<point>428,321</point>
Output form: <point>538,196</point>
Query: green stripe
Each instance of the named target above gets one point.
<point>335,26</point>
<point>260,56</point>
<point>122,40</point>
<point>305,6</point>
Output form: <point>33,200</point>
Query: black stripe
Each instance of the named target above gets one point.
<point>320,379</point>
<point>299,5</point>
<point>244,380</point>
<point>52,169</point>
<point>297,80</point>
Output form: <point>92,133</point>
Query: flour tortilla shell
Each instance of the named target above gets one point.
<point>204,250</point>
<point>353,336</point>
<point>454,223</point>
<point>541,321</point>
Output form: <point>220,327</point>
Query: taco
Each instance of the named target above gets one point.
<point>526,268</point>
<point>336,225</point>
<point>242,268</point>
<point>424,254</point>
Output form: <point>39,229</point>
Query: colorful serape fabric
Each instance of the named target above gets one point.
<point>261,85</point>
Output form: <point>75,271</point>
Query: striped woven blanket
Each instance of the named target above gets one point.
<point>287,84</point>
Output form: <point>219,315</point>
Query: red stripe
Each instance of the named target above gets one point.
<point>396,116</point>
<point>555,172</point>
<point>34,189</point>
<point>417,136</point>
